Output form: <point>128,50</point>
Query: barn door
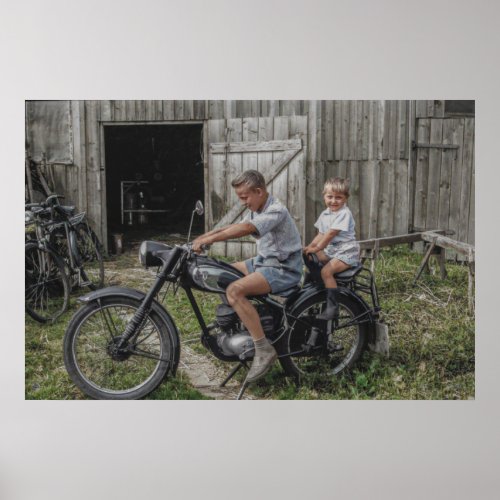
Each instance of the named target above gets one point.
<point>444,176</point>
<point>275,146</point>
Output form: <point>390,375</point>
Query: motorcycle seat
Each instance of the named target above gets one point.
<point>349,273</point>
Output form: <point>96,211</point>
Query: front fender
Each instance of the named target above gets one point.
<point>118,291</point>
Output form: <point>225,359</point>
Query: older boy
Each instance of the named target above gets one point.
<point>277,266</point>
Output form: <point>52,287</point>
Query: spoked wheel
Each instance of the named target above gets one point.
<point>89,255</point>
<point>46,287</point>
<point>339,343</point>
<point>103,368</point>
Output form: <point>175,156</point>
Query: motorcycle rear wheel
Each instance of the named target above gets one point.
<point>340,347</point>
<point>101,370</point>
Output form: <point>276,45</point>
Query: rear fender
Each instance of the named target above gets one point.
<point>313,290</point>
<point>118,291</point>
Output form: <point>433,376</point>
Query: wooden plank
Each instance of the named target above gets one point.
<point>169,110</point>
<point>344,130</point>
<point>188,110</point>
<point>179,110</point>
<point>402,138</point>
<point>158,105</point>
<point>395,240</point>
<point>255,108</point>
<point>119,111</point>
<point>353,130</point>
<point>322,152</point>
<point>363,222</point>
<point>199,110</point>
<point>105,110</point>
<point>328,120</point>
<point>445,242</point>
<point>150,110</point>
<point>93,166</point>
<point>439,109</point>
<point>130,114</point>
<point>467,170</point>
<point>354,201</point>
<point>337,129</point>
<point>430,107</point>
<point>421,109</point>
<point>273,108</point>
<point>236,210</point>
<point>384,208</point>
<point>364,131</point>
<point>258,146</point>
<point>249,162</point>
<point>311,166</point>
<point>280,183</point>
<point>216,196</point>
<point>434,174</point>
<point>447,156</point>
<point>73,176</point>
<point>456,175</point>
<point>401,197</point>
<point>379,130</point>
<point>372,117</point>
<point>265,133</point>
<point>231,109</point>
<point>215,109</point>
<point>80,132</point>
<point>297,176</point>
<point>472,207</point>
<point>374,180</point>
<point>233,169</point>
<point>140,110</point>
<point>421,173</point>
<point>411,163</point>
<point>243,108</point>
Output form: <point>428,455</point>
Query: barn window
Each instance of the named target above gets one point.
<point>460,108</point>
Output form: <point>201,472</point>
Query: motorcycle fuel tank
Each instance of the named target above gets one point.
<point>211,275</point>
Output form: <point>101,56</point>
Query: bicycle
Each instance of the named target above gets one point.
<point>84,262</point>
<point>46,283</point>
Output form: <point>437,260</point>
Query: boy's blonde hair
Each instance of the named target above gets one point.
<point>337,185</point>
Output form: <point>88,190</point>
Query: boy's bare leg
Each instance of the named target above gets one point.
<point>241,266</point>
<point>332,307</point>
<point>237,293</point>
<point>333,267</point>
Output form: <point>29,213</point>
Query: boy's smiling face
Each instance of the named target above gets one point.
<point>253,199</point>
<point>334,200</point>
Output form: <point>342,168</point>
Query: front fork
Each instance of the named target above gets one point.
<point>137,322</point>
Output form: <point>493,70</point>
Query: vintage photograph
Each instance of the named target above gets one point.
<point>250,249</point>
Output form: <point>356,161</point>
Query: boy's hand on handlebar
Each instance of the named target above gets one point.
<point>199,245</point>
<point>309,249</point>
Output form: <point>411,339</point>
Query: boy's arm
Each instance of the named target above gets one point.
<point>225,233</point>
<point>321,241</point>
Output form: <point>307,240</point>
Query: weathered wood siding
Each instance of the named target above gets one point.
<point>393,188</point>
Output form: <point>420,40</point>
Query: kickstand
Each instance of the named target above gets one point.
<point>244,385</point>
<point>233,372</point>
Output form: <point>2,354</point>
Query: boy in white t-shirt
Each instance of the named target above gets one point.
<point>335,244</point>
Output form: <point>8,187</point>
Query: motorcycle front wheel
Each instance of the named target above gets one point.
<point>104,369</point>
<point>337,347</point>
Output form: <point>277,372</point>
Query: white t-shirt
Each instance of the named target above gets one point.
<point>341,220</point>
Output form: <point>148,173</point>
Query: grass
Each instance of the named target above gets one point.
<point>431,334</point>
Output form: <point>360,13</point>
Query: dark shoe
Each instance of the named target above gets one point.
<point>332,306</point>
<point>262,362</point>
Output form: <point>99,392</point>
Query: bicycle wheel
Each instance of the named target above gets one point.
<point>46,286</point>
<point>100,368</point>
<point>337,349</point>
<point>90,258</point>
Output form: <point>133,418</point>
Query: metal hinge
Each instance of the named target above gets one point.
<point>415,145</point>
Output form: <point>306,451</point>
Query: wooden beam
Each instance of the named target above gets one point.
<point>444,242</point>
<point>279,164</point>
<point>255,146</point>
<point>396,240</point>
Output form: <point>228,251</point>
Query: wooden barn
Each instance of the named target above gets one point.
<point>130,164</point>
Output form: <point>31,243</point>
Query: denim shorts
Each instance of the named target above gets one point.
<point>281,275</point>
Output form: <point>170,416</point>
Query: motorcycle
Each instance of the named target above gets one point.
<point>122,343</point>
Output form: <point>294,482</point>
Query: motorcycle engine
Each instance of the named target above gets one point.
<point>233,338</point>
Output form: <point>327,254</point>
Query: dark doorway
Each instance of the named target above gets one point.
<point>155,172</point>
